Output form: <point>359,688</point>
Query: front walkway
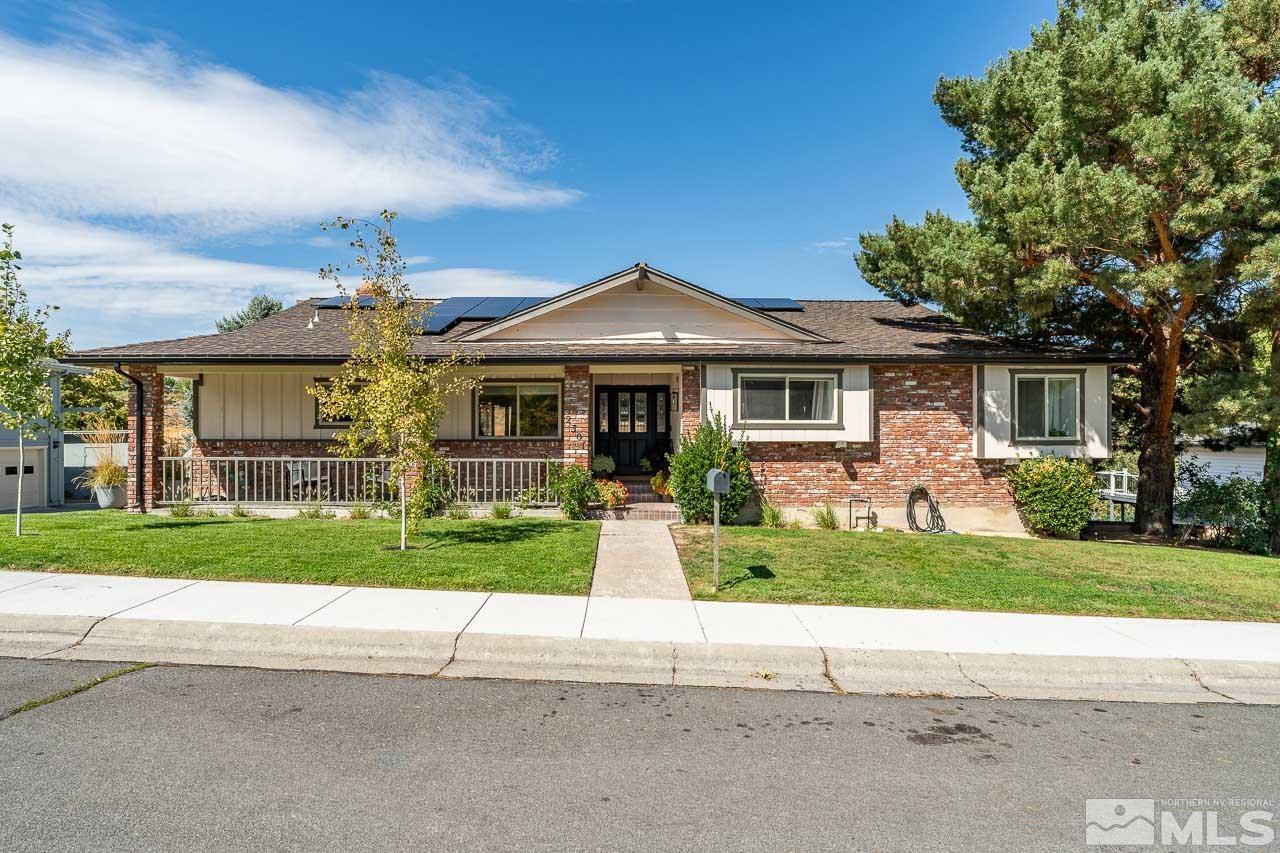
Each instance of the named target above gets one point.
<point>637,559</point>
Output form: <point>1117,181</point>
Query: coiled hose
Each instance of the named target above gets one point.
<point>935,524</point>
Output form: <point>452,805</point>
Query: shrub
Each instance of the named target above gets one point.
<point>770,515</point>
<point>458,511</point>
<point>612,493</point>
<point>645,465</point>
<point>241,512</point>
<point>359,512</point>
<point>710,447</point>
<point>105,474</point>
<point>1226,513</point>
<point>573,486</point>
<point>501,509</point>
<point>182,509</point>
<point>602,465</point>
<point>1057,496</point>
<point>825,517</point>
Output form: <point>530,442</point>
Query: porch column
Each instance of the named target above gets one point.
<point>152,437</point>
<point>576,415</point>
<point>690,399</point>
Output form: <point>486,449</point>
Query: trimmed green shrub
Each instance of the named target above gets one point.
<point>1057,496</point>
<point>574,486</point>
<point>710,447</point>
<point>825,517</point>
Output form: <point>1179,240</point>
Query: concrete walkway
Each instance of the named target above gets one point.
<point>839,649</point>
<point>637,559</point>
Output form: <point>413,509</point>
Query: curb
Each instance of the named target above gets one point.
<point>35,636</point>
<point>759,667</point>
<point>1093,678</point>
<point>1253,683</point>
<point>266,646</point>
<point>900,673</point>
<point>560,659</point>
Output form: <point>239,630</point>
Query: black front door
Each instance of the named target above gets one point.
<point>633,423</point>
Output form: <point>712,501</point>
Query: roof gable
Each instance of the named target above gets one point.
<point>639,305</point>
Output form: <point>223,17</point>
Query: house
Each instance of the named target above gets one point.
<point>1238,452</point>
<point>837,398</point>
<point>42,483</point>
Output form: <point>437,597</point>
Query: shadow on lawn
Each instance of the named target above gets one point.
<point>488,533</point>
<point>753,573</point>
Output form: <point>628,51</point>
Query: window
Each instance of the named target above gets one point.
<point>321,421</point>
<point>1046,407</point>
<point>642,413</point>
<point>624,412</point>
<point>802,398</point>
<point>602,411</point>
<point>662,411</point>
<point>518,410</point>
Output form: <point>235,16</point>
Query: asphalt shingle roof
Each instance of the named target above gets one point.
<point>870,330</point>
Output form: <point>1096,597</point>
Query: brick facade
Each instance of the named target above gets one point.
<point>152,437</point>
<point>923,434</point>
<point>576,415</point>
<point>690,398</point>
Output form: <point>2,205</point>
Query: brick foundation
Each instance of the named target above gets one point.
<point>924,434</point>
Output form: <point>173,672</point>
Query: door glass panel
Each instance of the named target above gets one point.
<point>642,412</point>
<point>1031,407</point>
<point>764,399</point>
<point>624,412</point>
<point>661,415</point>
<point>602,411</point>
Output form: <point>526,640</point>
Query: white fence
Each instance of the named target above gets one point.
<point>1118,488</point>
<point>79,452</point>
<point>331,480</point>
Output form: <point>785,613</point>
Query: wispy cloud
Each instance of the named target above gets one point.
<point>123,161</point>
<point>134,130</point>
<point>836,245</point>
<point>114,286</point>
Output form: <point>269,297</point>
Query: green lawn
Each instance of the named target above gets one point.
<point>980,573</point>
<point>513,555</point>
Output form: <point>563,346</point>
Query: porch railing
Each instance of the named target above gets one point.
<point>336,481</point>
<point>1118,489</point>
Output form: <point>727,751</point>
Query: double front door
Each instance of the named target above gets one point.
<point>633,423</point>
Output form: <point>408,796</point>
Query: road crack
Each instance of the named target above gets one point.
<point>826,673</point>
<point>72,691</point>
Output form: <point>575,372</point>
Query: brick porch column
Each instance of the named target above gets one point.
<point>690,399</point>
<point>576,415</point>
<point>152,436</point>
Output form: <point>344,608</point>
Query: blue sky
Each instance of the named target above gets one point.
<point>165,161</point>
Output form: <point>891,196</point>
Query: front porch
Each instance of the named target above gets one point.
<point>257,441</point>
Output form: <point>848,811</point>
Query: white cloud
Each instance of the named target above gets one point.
<point>124,130</point>
<point>118,287</point>
<point>832,245</point>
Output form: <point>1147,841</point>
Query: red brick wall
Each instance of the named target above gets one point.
<point>690,398</point>
<point>576,415</point>
<point>152,438</point>
<point>923,434</point>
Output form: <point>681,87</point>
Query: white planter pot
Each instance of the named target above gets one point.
<point>110,497</point>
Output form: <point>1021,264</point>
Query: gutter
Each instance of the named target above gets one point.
<point>139,456</point>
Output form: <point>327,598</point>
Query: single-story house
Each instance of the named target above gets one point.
<point>42,483</point>
<point>837,398</point>
<point>1239,452</point>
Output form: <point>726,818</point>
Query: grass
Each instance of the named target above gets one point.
<point>79,688</point>
<point>517,555</point>
<point>980,573</point>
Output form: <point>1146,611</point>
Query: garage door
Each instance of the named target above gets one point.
<point>34,486</point>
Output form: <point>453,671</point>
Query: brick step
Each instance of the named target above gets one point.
<point>638,512</point>
<point>641,492</point>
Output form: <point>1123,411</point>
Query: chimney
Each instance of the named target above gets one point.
<point>365,289</point>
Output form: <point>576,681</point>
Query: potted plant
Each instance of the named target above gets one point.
<point>107,478</point>
<point>602,465</point>
<point>658,482</point>
<point>612,493</point>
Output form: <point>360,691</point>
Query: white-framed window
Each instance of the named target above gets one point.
<point>1046,407</point>
<point>806,398</point>
<point>518,410</point>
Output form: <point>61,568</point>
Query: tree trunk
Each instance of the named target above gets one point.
<point>1271,470</point>
<point>21,462</point>
<point>1154,512</point>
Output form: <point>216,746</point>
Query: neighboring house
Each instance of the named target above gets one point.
<point>836,397</point>
<point>42,484</point>
<point>1223,459</point>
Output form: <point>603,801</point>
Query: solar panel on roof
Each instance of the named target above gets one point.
<point>764,303</point>
<point>344,301</point>
<point>455,309</point>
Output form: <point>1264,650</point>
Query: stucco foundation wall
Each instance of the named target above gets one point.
<point>923,434</point>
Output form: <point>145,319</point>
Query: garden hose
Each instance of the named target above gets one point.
<point>936,523</point>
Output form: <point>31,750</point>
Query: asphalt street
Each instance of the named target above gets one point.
<point>194,758</point>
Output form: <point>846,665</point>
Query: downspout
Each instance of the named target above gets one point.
<point>139,456</point>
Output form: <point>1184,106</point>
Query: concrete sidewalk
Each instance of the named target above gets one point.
<point>637,559</point>
<point>839,649</point>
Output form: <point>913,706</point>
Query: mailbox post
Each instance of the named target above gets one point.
<point>717,484</point>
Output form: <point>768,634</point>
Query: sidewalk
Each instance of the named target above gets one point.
<point>470,634</point>
<point>637,559</point>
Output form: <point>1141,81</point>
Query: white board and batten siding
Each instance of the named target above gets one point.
<point>994,413</point>
<point>257,404</point>
<point>856,402</point>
